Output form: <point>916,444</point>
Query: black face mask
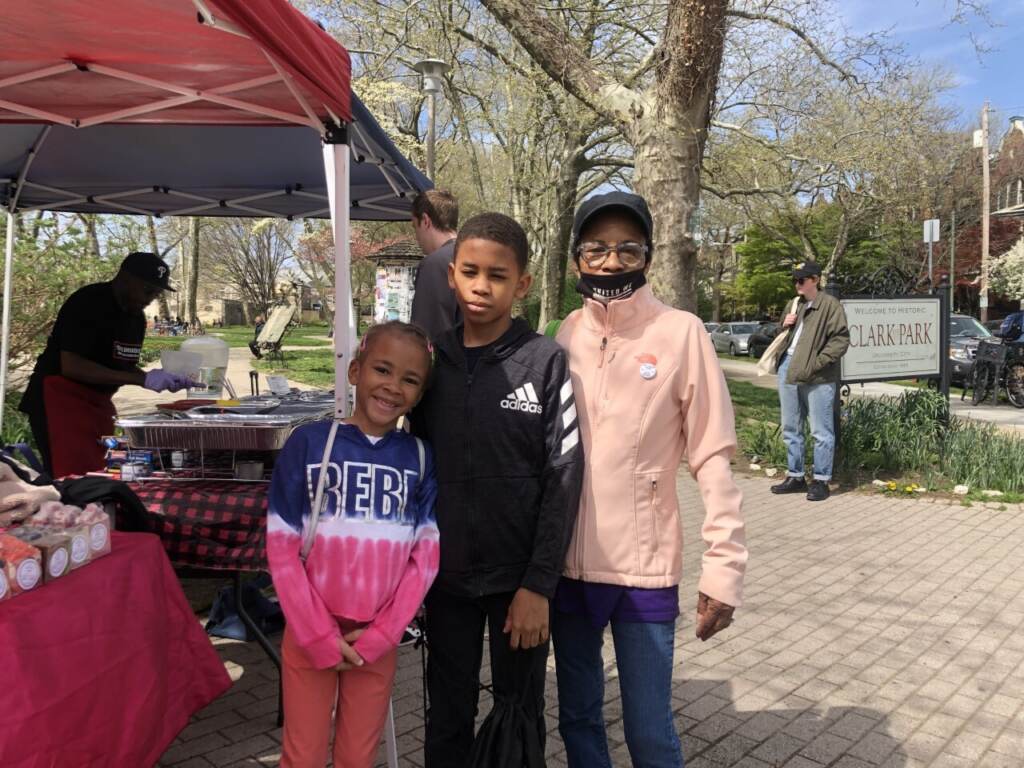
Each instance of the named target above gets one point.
<point>620,285</point>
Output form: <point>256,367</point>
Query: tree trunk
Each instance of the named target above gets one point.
<point>154,246</point>
<point>193,287</point>
<point>560,234</point>
<point>718,272</point>
<point>842,238</point>
<point>668,176</point>
<point>92,237</point>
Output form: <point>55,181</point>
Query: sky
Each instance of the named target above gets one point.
<point>924,29</point>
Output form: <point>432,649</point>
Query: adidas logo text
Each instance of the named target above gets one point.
<point>523,399</point>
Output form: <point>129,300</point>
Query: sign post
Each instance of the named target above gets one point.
<point>931,235</point>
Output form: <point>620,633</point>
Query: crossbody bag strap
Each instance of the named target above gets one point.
<point>421,449</point>
<point>309,536</point>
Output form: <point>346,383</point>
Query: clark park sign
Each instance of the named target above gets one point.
<point>895,338</point>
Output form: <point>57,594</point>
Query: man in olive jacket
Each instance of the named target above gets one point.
<point>808,376</point>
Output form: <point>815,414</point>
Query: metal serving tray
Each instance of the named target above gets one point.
<point>224,432</point>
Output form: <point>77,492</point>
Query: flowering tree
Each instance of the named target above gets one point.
<point>1007,273</point>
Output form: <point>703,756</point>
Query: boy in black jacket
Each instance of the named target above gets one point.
<point>501,417</point>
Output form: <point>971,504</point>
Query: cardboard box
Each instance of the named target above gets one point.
<point>78,532</point>
<point>54,547</point>
<point>5,590</point>
<point>23,564</point>
<point>100,526</point>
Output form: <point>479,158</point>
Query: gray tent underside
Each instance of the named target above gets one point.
<point>200,170</point>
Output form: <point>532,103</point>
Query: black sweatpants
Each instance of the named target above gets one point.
<point>455,634</point>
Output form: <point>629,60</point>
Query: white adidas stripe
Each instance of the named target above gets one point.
<point>566,391</point>
<point>570,440</point>
<point>569,416</point>
<point>531,392</point>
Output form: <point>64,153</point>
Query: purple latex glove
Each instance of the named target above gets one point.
<point>160,380</point>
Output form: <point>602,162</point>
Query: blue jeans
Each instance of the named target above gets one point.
<point>643,652</point>
<point>798,402</point>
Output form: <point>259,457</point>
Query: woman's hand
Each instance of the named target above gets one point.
<point>349,658</point>
<point>789,320</point>
<point>712,616</point>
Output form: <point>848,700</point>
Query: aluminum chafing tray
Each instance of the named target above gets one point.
<point>227,432</point>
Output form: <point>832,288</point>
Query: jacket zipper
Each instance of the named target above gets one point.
<point>654,511</point>
<point>468,452</point>
<point>581,520</point>
<point>602,371</point>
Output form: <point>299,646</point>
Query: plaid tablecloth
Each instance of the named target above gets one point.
<point>208,523</point>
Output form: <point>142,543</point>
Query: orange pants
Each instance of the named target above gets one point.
<point>360,695</point>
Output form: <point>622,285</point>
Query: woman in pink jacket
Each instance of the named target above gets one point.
<point>649,392</point>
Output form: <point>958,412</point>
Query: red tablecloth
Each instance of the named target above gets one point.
<point>103,668</point>
<point>219,524</point>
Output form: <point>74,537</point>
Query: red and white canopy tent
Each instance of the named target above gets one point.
<point>190,108</point>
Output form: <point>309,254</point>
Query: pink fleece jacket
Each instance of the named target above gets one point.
<point>650,391</point>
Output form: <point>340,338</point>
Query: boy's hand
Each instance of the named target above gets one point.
<point>712,616</point>
<point>527,620</point>
<point>349,658</point>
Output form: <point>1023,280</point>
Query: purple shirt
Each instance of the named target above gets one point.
<point>601,603</point>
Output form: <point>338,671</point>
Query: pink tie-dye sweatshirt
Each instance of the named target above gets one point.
<point>376,550</point>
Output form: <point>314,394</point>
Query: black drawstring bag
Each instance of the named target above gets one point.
<point>509,737</point>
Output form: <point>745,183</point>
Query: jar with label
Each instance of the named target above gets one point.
<point>132,471</point>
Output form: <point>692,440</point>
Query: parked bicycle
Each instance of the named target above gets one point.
<point>999,366</point>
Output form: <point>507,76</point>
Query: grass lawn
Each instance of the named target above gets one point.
<point>741,358</point>
<point>309,366</point>
<point>299,336</point>
<point>753,403</point>
<point>923,384</point>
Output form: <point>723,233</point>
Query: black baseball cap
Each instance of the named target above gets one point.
<point>632,204</point>
<point>149,268</point>
<point>806,269</point>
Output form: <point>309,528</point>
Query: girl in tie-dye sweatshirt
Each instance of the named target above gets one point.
<point>374,556</point>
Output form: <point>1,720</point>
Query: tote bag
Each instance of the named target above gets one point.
<point>769,362</point>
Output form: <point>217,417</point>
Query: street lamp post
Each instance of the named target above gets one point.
<point>432,70</point>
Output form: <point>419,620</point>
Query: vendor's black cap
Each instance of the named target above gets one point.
<point>807,269</point>
<point>149,268</point>
<point>632,204</point>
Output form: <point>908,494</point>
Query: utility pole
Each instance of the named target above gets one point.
<point>985,206</point>
<point>952,261</point>
<point>433,71</point>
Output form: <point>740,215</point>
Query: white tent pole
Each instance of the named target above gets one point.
<point>336,168</point>
<point>5,348</point>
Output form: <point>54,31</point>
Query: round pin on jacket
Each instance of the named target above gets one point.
<point>648,371</point>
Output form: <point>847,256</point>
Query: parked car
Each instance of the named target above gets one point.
<point>732,337</point>
<point>964,334</point>
<point>993,326</point>
<point>711,327</point>
<point>762,337</point>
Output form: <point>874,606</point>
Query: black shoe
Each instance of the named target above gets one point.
<point>817,490</point>
<point>410,636</point>
<point>791,485</point>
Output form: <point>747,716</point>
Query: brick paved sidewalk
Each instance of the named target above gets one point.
<point>876,632</point>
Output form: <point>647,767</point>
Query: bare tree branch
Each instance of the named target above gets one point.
<point>559,56</point>
<point>824,58</point>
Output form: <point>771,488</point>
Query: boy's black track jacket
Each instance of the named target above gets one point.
<point>509,463</point>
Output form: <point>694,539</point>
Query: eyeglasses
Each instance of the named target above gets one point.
<point>631,255</point>
<point>799,280</point>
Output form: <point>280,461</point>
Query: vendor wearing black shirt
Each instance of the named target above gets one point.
<point>92,351</point>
